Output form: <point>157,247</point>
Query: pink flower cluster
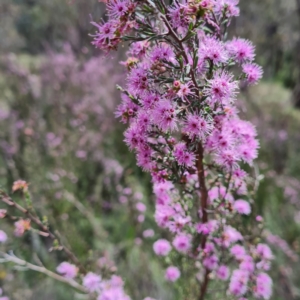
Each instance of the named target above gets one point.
<point>183,124</point>
<point>111,289</point>
<point>250,269</point>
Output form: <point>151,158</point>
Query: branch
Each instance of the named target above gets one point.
<point>202,185</point>
<point>203,205</point>
<point>20,262</point>
<point>204,285</point>
<point>9,201</point>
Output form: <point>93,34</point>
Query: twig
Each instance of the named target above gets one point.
<point>9,201</point>
<point>20,262</point>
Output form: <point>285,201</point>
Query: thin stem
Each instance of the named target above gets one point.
<point>9,201</point>
<point>203,205</point>
<point>202,185</point>
<point>20,262</point>
<point>204,286</point>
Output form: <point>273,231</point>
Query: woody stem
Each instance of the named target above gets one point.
<point>203,207</point>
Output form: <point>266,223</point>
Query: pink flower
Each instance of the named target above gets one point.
<point>141,218</point>
<point>162,192</point>
<point>117,8</point>
<point>263,287</point>
<point>207,228</point>
<point>228,159</point>
<point>231,235</point>
<point>238,252</point>
<point>113,289</point>
<point>104,37</point>
<point>165,116</point>
<point>197,126</point>
<point>211,262</point>
<point>241,49</point>
<point>242,207</point>
<point>185,90</point>
<point>214,50</point>
<point>138,49</point>
<point>209,248</point>
<point>183,156</point>
<point>182,243</point>
<point>248,152</point>
<point>21,226</point>
<point>221,88</point>
<point>67,270</point>
<point>162,52</point>
<point>148,233</point>
<point>264,265</point>
<point>247,264</point>
<point>2,213</point>
<point>141,207</point>
<point>162,214</point>
<point>178,15</point>
<point>162,247</point>
<point>259,218</point>
<point>92,282</point>
<point>143,119</point>
<point>229,7</point>
<point>223,272</point>
<point>3,236</point>
<point>238,282</point>
<point>264,251</point>
<point>81,154</point>
<point>172,273</point>
<point>220,193</point>
<point>253,73</point>
<point>133,136</point>
<point>144,157</point>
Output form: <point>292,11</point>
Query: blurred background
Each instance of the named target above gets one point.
<point>58,132</point>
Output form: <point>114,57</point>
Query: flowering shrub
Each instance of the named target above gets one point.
<point>57,116</point>
<point>183,124</point>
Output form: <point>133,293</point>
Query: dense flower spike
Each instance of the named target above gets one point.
<point>183,124</point>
